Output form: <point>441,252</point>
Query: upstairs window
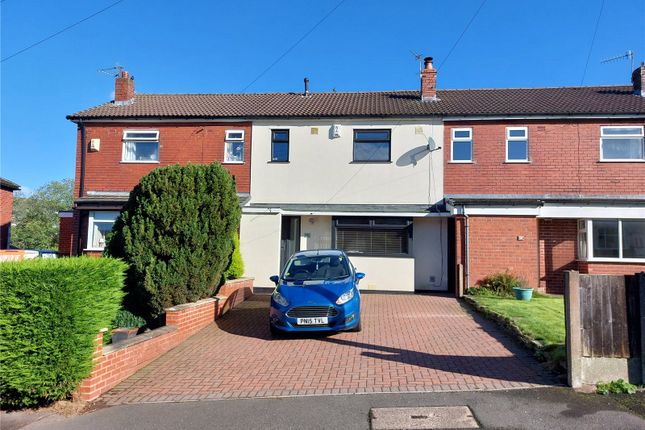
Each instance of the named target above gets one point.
<point>624,143</point>
<point>234,146</point>
<point>377,237</point>
<point>100,224</point>
<point>280,146</point>
<point>372,145</point>
<point>140,146</point>
<point>517,144</point>
<point>461,147</point>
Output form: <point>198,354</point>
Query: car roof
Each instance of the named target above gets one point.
<point>318,252</point>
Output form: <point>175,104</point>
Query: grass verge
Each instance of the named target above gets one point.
<point>538,323</point>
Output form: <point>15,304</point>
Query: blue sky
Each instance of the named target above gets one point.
<point>199,46</point>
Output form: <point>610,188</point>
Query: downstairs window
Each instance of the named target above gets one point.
<point>377,237</point>
<point>612,239</point>
<point>99,225</point>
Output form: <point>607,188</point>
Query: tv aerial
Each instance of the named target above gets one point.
<point>417,58</point>
<point>628,55</point>
<point>112,71</point>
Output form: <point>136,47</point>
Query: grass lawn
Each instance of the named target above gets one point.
<point>541,319</point>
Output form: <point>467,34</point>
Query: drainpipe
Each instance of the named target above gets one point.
<point>81,188</point>
<point>467,251</point>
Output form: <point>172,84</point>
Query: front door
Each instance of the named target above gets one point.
<point>289,238</point>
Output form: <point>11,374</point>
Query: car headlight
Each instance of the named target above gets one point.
<point>345,297</point>
<point>279,299</point>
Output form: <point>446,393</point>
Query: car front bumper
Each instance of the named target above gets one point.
<point>347,318</point>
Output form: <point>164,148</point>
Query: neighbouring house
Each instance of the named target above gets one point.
<point>416,186</point>
<point>7,188</point>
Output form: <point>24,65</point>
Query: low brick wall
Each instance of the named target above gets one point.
<point>116,362</point>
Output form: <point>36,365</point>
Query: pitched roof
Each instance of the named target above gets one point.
<point>6,183</point>
<point>609,100</point>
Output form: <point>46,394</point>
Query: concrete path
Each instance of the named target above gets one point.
<point>549,408</point>
<point>409,343</point>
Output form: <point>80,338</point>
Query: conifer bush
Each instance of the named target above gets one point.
<point>236,268</point>
<point>50,313</point>
<point>175,233</point>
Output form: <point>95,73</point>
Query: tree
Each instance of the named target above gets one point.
<point>176,233</point>
<point>35,218</point>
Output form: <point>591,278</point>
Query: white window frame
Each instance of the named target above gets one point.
<point>140,139</point>
<point>620,259</point>
<point>91,220</point>
<point>454,139</point>
<point>621,160</point>
<point>510,138</point>
<point>229,139</point>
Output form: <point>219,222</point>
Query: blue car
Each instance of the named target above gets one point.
<point>317,291</point>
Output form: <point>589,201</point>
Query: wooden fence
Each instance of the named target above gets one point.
<point>605,316</point>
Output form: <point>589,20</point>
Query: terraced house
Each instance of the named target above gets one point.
<point>425,189</point>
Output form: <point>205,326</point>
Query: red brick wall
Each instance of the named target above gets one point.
<point>564,160</point>
<point>114,363</point>
<point>610,268</point>
<point>558,239</point>
<point>6,209</point>
<point>494,247</point>
<point>182,143</point>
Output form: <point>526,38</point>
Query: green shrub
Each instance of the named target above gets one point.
<point>619,386</point>
<point>175,234</point>
<point>126,319</point>
<point>236,268</point>
<point>50,313</point>
<point>501,284</point>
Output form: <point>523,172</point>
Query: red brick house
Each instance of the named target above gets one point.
<point>6,209</point>
<point>546,180</point>
<point>534,181</point>
<point>113,154</point>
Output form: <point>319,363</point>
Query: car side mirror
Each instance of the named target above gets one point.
<point>360,275</point>
<point>274,279</point>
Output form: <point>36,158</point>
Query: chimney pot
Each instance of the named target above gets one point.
<point>123,88</point>
<point>428,81</point>
<point>638,80</point>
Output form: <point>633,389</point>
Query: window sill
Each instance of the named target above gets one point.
<point>615,260</point>
<point>370,162</point>
<point>232,162</point>
<point>93,249</point>
<point>278,162</point>
<point>517,162</point>
<point>139,162</point>
<point>621,161</point>
<point>460,162</point>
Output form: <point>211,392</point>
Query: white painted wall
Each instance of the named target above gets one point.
<point>260,246</point>
<point>384,273</point>
<point>320,169</point>
<point>430,250</point>
<point>315,232</point>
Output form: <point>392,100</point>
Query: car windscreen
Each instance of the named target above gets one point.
<point>315,268</point>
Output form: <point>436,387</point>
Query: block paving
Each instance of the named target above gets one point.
<point>409,343</point>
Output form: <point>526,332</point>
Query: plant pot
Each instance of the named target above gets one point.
<point>523,293</point>
<point>121,334</point>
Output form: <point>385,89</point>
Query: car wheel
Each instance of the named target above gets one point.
<point>357,328</point>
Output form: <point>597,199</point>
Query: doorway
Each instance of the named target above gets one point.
<point>289,238</point>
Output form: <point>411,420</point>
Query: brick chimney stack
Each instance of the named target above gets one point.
<point>638,80</point>
<point>123,88</point>
<point>428,81</point>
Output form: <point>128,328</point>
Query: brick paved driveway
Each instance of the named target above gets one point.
<point>408,343</point>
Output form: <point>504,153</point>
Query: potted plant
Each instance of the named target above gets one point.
<point>522,291</point>
<point>127,325</point>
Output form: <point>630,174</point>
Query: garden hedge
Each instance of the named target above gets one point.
<point>176,234</point>
<point>50,313</point>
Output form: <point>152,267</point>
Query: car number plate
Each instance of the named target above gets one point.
<point>313,321</point>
